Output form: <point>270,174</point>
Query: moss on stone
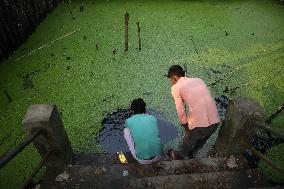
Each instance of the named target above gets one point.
<point>276,154</point>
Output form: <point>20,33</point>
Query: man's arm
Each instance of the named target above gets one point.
<point>125,124</point>
<point>179,106</point>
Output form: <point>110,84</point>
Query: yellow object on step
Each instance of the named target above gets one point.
<point>121,157</point>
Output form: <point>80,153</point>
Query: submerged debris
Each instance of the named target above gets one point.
<point>231,162</point>
<point>62,177</point>
<point>73,17</point>
<point>8,96</point>
<point>114,51</point>
<point>147,93</point>
<point>100,170</point>
<point>27,79</point>
<point>28,82</point>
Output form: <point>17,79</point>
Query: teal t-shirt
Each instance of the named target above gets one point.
<point>145,132</point>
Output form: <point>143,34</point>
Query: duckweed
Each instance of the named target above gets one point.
<point>234,45</point>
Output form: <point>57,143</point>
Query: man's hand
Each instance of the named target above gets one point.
<point>185,126</point>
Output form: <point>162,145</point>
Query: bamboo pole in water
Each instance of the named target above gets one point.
<point>126,31</point>
<point>33,51</point>
<point>264,158</point>
<point>274,114</point>
<point>139,36</point>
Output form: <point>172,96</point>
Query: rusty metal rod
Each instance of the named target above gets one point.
<point>11,154</point>
<point>126,31</point>
<point>35,170</point>
<point>269,129</point>
<point>264,158</point>
<point>274,114</point>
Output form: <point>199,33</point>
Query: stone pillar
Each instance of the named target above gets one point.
<point>54,137</point>
<point>238,126</point>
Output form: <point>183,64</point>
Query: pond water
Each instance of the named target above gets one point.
<point>111,134</point>
<point>223,42</point>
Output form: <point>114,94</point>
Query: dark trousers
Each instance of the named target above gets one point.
<point>194,139</point>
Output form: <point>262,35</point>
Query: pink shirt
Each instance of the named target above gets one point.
<point>202,108</point>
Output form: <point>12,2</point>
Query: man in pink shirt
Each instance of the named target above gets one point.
<point>202,118</point>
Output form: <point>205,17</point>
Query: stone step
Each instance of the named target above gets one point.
<point>84,173</point>
<point>221,179</point>
<point>174,167</point>
<point>99,159</point>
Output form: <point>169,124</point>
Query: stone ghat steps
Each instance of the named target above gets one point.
<point>194,173</point>
<point>221,179</point>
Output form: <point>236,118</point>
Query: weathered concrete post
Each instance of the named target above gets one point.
<point>54,137</point>
<point>238,126</point>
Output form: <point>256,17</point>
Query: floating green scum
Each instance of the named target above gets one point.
<point>235,46</point>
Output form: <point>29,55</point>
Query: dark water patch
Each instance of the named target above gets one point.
<point>28,83</point>
<point>219,73</point>
<point>231,91</point>
<point>262,142</point>
<point>215,71</point>
<point>27,78</point>
<point>108,98</point>
<point>222,103</point>
<point>111,134</point>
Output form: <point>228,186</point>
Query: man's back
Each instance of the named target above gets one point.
<point>145,132</point>
<point>202,108</point>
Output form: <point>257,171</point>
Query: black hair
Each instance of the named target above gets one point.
<point>138,106</point>
<point>176,70</point>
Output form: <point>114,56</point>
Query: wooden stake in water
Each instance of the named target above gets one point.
<point>126,31</point>
<point>69,7</point>
<point>139,36</point>
<point>73,17</point>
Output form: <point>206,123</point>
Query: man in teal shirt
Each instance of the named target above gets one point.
<point>142,134</point>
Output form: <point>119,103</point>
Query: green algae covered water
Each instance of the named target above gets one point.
<point>235,46</point>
